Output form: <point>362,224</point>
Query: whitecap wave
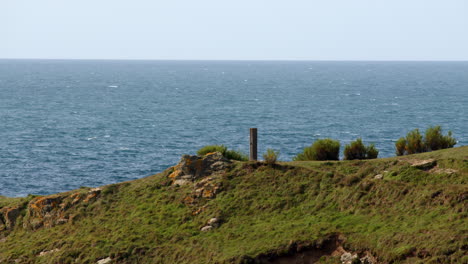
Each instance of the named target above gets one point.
<point>123,148</point>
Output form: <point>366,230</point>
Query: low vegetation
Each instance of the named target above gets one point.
<point>398,212</point>
<point>271,156</point>
<point>357,150</point>
<point>321,149</point>
<point>227,153</point>
<point>433,139</point>
<point>400,146</point>
<point>211,148</point>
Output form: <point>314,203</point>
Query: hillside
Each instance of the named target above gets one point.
<point>408,209</point>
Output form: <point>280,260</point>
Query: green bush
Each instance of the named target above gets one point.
<point>322,149</point>
<point>400,146</point>
<point>372,152</point>
<point>271,156</point>
<point>434,139</point>
<point>357,150</point>
<point>414,142</point>
<point>227,153</point>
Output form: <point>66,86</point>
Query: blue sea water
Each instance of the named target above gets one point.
<point>66,124</point>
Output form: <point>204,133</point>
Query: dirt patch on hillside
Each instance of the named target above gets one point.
<point>309,253</point>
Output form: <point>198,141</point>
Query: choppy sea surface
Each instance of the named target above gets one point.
<point>66,124</point>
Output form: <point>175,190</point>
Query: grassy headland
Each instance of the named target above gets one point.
<point>388,208</point>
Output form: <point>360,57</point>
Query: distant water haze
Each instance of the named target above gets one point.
<point>66,124</point>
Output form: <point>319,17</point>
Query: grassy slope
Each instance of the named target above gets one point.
<point>407,213</point>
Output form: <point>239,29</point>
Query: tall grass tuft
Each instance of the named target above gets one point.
<point>227,153</point>
<point>236,155</point>
<point>271,156</point>
<point>321,149</point>
<point>211,148</point>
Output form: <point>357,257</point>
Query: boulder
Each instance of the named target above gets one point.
<point>347,258</point>
<point>424,164</point>
<point>214,222</point>
<point>104,261</point>
<point>46,252</point>
<point>206,228</point>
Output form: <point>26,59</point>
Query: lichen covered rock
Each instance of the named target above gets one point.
<point>203,174</point>
<point>8,217</point>
<point>49,211</point>
<point>192,168</point>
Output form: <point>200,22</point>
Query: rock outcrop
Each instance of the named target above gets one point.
<point>49,211</point>
<point>203,173</point>
<point>192,168</point>
<point>8,216</point>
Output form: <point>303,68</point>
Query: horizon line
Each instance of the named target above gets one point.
<point>238,60</point>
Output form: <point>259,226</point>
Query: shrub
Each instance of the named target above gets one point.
<point>271,156</point>
<point>228,154</point>
<point>322,149</point>
<point>414,142</point>
<point>357,150</point>
<point>372,152</point>
<point>434,139</point>
<point>400,146</point>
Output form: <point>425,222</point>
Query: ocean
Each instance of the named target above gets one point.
<point>71,123</point>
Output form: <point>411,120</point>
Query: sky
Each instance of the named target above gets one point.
<point>235,30</point>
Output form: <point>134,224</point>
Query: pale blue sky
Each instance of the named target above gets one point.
<point>237,29</point>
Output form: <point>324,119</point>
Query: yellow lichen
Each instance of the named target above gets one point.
<point>176,173</point>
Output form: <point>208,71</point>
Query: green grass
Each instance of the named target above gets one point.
<point>262,209</point>
<point>227,153</point>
